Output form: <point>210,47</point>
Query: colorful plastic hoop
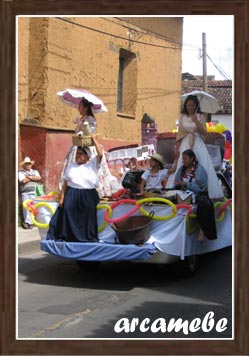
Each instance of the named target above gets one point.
<point>157,217</point>
<point>57,195</point>
<point>36,223</point>
<point>221,214</point>
<point>195,227</point>
<point>185,206</point>
<point>120,218</point>
<point>25,204</point>
<point>223,208</point>
<point>109,209</point>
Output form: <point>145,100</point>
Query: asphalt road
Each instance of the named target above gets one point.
<point>57,299</point>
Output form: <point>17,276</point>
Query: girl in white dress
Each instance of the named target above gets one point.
<point>191,131</point>
<point>87,116</point>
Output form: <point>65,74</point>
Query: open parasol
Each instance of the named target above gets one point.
<point>73,97</point>
<point>207,102</point>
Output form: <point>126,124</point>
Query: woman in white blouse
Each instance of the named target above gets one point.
<point>76,218</point>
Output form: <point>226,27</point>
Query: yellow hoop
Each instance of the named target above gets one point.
<point>104,206</point>
<point>157,217</point>
<point>55,193</point>
<point>195,227</point>
<point>36,223</point>
<point>218,203</point>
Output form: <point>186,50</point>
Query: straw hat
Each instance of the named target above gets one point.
<point>26,160</point>
<point>158,158</point>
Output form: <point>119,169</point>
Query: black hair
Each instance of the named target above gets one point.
<point>81,148</point>
<point>85,150</point>
<point>190,153</point>
<point>160,165</point>
<point>87,104</point>
<point>195,100</point>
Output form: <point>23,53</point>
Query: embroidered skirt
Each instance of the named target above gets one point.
<point>206,216</point>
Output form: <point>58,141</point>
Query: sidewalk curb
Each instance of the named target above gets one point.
<point>28,247</point>
<point>28,240</point>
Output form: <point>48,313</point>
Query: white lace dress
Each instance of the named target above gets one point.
<point>202,154</point>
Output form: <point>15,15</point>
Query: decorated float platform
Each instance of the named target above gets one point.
<point>171,232</point>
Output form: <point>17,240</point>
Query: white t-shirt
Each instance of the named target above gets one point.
<point>22,174</point>
<point>28,187</point>
<point>83,176</point>
<point>154,180</point>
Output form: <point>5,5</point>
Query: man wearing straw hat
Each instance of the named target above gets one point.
<point>28,179</point>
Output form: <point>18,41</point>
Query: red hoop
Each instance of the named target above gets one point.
<point>31,208</point>
<point>114,205</point>
<point>223,208</point>
<point>185,206</point>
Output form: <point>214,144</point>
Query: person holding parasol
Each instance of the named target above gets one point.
<point>191,133</point>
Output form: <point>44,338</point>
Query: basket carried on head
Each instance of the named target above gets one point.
<point>133,230</point>
<point>82,140</point>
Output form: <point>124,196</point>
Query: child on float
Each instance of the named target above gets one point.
<point>155,177</point>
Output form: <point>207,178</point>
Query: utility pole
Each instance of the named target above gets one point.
<point>204,62</point>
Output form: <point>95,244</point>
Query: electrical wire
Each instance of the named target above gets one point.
<point>220,70</point>
<point>116,36</point>
<point>146,32</point>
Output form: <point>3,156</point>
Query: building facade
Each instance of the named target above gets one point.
<point>132,64</point>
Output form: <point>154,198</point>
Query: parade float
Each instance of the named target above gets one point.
<point>161,228</point>
<point>152,230</point>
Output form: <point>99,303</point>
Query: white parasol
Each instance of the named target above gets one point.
<point>73,97</point>
<point>207,102</point>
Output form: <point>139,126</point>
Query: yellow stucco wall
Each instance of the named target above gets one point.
<point>55,54</point>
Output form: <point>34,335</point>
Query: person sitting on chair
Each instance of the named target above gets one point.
<point>192,176</point>
<point>153,179</point>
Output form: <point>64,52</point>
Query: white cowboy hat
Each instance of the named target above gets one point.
<point>26,160</point>
<point>158,158</point>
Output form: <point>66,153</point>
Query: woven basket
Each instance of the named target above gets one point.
<point>152,195</point>
<point>82,141</point>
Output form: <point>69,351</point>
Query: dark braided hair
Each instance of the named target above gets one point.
<point>190,153</point>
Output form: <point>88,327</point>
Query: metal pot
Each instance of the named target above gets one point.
<point>133,230</point>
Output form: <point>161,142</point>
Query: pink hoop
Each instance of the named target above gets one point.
<point>31,208</point>
<point>114,205</point>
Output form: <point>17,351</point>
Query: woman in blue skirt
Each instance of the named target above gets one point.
<point>76,218</point>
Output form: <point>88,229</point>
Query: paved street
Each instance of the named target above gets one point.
<point>57,299</point>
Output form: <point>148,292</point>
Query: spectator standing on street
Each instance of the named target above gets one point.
<point>28,179</point>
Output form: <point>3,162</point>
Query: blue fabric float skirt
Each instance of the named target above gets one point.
<point>76,220</point>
